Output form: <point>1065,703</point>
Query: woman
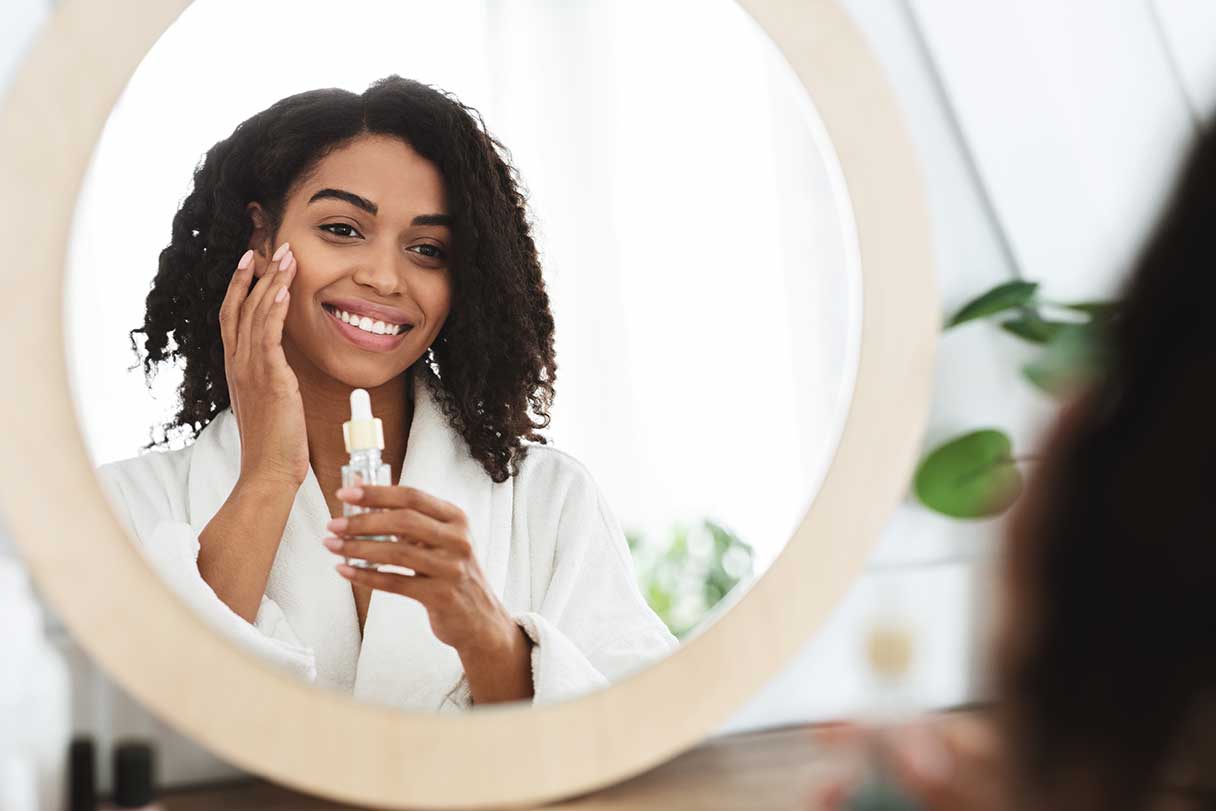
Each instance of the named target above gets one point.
<point>377,240</point>
<point>1105,656</point>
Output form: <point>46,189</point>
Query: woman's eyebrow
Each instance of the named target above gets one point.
<point>372,208</point>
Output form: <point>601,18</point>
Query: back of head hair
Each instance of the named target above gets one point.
<point>1120,553</point>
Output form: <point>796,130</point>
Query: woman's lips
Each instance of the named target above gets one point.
<point>366,340</point>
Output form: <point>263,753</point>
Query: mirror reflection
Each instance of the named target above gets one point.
<point>484,353</point>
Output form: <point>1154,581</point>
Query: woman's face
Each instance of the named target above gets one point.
<point>369,228</point>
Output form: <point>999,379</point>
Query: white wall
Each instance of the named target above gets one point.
<point>1067,119</point>
<point>1187,27</point>
<point>1047,132</point>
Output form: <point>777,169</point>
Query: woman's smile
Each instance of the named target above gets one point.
<point>361,337</point>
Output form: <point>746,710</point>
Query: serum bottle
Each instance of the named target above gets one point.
<point>364,438</point>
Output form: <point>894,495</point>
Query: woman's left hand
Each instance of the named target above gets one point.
<point>435,543</point>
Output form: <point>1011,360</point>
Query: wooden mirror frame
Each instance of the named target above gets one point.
<point>327,743</point>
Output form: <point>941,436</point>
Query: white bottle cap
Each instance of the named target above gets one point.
<point>362,431</point>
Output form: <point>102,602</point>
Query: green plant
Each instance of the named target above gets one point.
<point>975,475</point>
<point>686,572</point>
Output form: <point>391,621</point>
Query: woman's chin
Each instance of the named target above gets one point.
<point>367,373</point>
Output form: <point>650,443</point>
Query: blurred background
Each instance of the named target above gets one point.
<point>1047,134</point>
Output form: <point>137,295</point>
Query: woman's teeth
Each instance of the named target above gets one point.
<point>366,324</point>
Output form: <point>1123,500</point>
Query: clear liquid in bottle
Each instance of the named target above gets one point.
<point>363,435</point>
<point>365,467</point>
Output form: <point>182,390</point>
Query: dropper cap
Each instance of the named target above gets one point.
<point>362,431</point>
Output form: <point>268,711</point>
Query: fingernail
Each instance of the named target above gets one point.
<point>279,253</point>
<point>344,570</point>
<point>288,260</point>
<point>333,544</point>
<point>336,524</point>
<point>350,493</point>
<point>279,296</point>
<point>246,258</point>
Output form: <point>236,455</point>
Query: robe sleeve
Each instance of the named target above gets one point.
<point>171,546</point>
<point>591,625</point>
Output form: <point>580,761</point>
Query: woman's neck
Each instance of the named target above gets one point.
<point>327,406</point>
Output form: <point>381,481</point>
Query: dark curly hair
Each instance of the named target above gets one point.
<point>1115,697</point>
<point>494,357</point>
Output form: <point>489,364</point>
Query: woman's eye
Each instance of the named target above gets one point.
<point>431,252</point>
<point>438,252</point>
<point>329,225</point>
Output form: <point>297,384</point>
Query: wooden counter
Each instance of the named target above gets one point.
<point>772,770</point>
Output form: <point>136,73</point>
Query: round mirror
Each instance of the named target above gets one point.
<point>703,336</point>
<point>633,350</point>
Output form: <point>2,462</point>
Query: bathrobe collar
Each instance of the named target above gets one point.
<point>398,660</point>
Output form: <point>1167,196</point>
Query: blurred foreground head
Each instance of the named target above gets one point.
<point>1106,656</point>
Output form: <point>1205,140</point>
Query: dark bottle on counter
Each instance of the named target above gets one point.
<point>82,774</point>
<point>134,776</point>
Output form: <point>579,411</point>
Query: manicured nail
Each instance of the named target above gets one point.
<point>246,258</point>
<point>279,253</point>
<point>336,524</point>
<point>279,296</point>
<point>350,493</point>
<point>344,570</point>
<point>287,261</point>
<point>332,544</point>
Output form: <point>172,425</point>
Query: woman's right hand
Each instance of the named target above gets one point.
<point>262,388</point>
<point>947,762</point>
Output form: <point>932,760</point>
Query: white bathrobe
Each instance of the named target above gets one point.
<point>550,547</point>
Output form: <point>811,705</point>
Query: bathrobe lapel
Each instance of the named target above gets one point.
<point>316,601</point>
<point>398,660</point>
<point>402,662</point>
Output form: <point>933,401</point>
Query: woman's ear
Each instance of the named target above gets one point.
<point>259,240</point>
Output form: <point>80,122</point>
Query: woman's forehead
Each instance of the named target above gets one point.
<point>382,177</point>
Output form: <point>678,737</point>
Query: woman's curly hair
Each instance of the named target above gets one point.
<point>494,357</point>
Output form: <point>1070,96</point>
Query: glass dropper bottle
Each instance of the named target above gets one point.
<point>364,438</point>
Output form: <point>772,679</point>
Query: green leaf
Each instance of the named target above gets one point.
<point>659,599</point>
<point>681,585</point>
<point>1030,327</point>
<point>1070,360</point>
<point>997,300</point>
<point>971,476</point>
<point>677,550</point>
<point>1097,310</point>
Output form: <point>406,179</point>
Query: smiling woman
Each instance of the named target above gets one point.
<point>377,241</point>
